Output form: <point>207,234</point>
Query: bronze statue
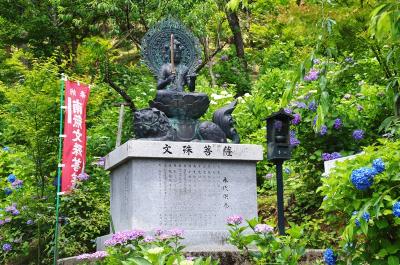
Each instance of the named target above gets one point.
<point>174,75</point>
<point>173,54</point>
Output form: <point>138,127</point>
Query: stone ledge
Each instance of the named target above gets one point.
<point>225,257</point>
<point>186,150</point>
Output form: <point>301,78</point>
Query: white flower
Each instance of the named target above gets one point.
<point>247,95</point>
<point>223,92</point>
<point>156,250</point>
<point>212,102</point>
<point>216,97</point>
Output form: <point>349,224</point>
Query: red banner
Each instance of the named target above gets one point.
<point>74,147</point>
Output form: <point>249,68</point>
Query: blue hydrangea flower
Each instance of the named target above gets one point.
<point>8,191</point>
<point>363,178</point>
<point>358,135</point>
<point>7,247</point>
<point>326,156</point>
<point>396,209</point>
<point>349,60</point>
<point>336,155</point>
<point>366,216</point>
<point>29,222</point>
<point>329,257</point>
<point>287,110</point>
<point>323,130</point>
<point>6,149</point>
<point>379,165</point>
<point>287,171</point>
<point>338,124</point>
<point>11,178</point>
<point>312,106</point>
<point>316,61</point>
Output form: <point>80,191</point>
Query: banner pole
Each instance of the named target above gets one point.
<point>59,168</point>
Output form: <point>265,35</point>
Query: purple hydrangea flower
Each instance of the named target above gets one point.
<point>359,107</point>
<point>7,247</point>
<point>301,105</point>
<point>329,257</point>
<point>234,220</point>
<point>158,232</point>
<point>269,176</point>
<point>121,238</point>
<point>323,130</point>
<point>11,208</point>
<point>312,106</point>
<point>358,135</point>
<point>326,156</point>
<point>293,140</point>
<point>16,212</point>
<point>149,239</point>
<point>379,165</point>
<point>336,155</point>
<point>347,96</point>
<point>2,222</point>
<point>224,58</point>
<point>176,232</point>
<point>338,124</point>
<point>396,209</point>
<point>7,220</point>
<point>17,184</point>
<point>101,162</point>
<point>263,228</point>
<point>296,119</point>
<point>82,177</point>
<point>312,75</point>
<point>94,256</point>
<point>11,178</point>
<point>29,222</point>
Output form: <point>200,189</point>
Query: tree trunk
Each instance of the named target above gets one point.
<point>234,25</point>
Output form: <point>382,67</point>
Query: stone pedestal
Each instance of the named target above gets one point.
<point>188,185</point>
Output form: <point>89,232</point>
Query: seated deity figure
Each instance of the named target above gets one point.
<point>174,76</point>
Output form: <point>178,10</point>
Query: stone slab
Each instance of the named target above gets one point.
<point>185,150</point>
<point>329,165</point>
<point>194,195</point>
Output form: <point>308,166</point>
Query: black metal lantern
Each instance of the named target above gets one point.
<point>278,136</point>
<point>279,150</point>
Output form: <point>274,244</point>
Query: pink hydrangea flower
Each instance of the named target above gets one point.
<point>234,220</point>
<point>263,228</point>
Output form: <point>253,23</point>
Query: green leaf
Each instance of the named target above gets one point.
<point>140,261</point>
<point>393,260</point>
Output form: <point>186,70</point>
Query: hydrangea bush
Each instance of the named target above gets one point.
<point>362,202</point>
<point>136,248</point>
<point>262,245</point>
